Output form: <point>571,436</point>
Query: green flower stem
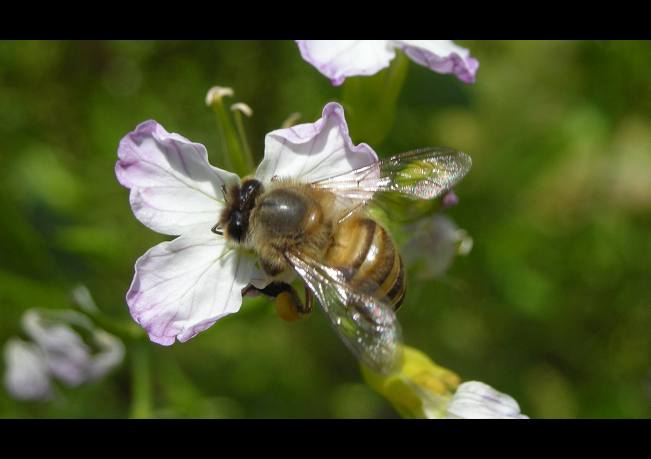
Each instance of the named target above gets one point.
<point>237,158</point>
<point>239,124</point>
<point>141,395</point>
<point>370,102</point>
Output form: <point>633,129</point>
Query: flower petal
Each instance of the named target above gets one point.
<point>26,373</point>
<point>442,56</point>
<point>476,400</point>
<point>173,187</point>
<point>338,59</point>
<point>182,287</point>
<point>314,151</point>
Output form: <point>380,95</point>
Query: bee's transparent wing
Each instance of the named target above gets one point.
<point>419,174</point>
<point>365,324</point>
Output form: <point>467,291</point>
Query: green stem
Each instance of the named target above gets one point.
<point>141,395</point>
<point>237,158</point>
<point>239,124</point>
<point>371,101</point>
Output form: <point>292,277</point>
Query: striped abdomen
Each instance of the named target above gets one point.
<point>364,251</point>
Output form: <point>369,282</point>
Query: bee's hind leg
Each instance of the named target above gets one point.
<point>309,300</point>
<point>288,304</point>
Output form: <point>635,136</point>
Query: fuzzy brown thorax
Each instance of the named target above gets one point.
<point>290,217</point>
<point>285,216</point>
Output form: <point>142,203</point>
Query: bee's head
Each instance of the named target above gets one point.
<point>239,199</point>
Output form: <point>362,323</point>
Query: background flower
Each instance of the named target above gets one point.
<point>432,245</point>
<point>65,346</point>
<point>419,388</point>
<point>477,400</point>
<point>26,371</point>
<point>339,59</point>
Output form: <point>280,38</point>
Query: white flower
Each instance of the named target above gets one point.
<point>57,351</point>
<point>339,59</point>
<point>476,400</point>
<point>182,287</point>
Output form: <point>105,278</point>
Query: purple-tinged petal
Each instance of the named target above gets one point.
<point>313,151</point>
<point>26,371</point>
<point>173,187</point>
<point>442,56</point>
<point>476,400</point>
<point>182,287</point>
<point>338,59</point>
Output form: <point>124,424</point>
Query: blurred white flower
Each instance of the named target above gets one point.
<point>65,346</point>
<point>476,400</point>
<point>69,358</point>
<point>433,244</point>
<point>26,374</point>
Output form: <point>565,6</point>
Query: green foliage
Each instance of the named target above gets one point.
<point>552,306</point>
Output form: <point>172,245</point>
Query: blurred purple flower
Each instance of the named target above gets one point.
<point>433,244</point>
<point>339,59</point>
<point>57,351</point>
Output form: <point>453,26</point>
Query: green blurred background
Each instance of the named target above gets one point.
<point>553,304</point>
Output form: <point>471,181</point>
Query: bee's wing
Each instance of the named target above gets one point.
<point>419,174</point>
<point>365,324</point>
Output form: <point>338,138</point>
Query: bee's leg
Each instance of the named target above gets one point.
<point>288,304</point>
<point>309,300</point>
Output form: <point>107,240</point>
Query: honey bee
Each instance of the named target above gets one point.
<point>322,232</point>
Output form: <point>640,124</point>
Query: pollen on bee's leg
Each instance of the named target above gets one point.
<point>287,307</point>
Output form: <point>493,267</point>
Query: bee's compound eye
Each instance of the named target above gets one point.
<point>286,307</point>
<point>237,226</point>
